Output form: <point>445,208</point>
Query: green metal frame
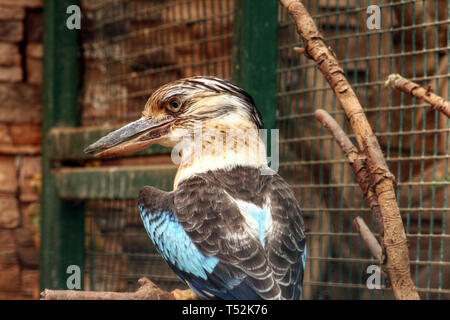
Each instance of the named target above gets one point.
<point>65,190</point>
<point>62,223</point>
<point>255,54</point>
<point>111,182</point>
<point>69,143</point>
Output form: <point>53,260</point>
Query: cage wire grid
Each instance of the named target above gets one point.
<point>130,48</point>
<point>141,45</point>
<point>412,40</point>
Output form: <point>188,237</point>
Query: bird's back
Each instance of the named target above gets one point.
<point>237,234</point>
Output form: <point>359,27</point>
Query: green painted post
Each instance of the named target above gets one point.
<point>62,223</point>
<point>255,53</point>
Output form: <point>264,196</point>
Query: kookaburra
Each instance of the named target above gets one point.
<point>231,228</point>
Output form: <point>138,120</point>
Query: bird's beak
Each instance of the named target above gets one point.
<point>132,137</point>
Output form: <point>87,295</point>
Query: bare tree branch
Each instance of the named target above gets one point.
<point>147,291</point>
<point>396,81</point>
<point>380,178</point>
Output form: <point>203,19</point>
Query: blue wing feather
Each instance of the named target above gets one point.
<point>174,244</point>
<point>203,273</point>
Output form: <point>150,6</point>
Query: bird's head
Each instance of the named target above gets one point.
<point>174,110</point>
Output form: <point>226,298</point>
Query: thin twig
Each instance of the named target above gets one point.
<point>368,238</point>
<point>380,178</point>
<point>396,81</point>
<point>361,176</point>
<point>356,163</point>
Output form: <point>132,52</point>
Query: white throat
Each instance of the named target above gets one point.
<point>220,149</point>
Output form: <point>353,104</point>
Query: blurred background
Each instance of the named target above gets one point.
<point>61,89</point>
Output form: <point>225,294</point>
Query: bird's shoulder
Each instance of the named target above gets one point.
<point>154,199</point>
<point>217,195</point>
<point>224,195</point>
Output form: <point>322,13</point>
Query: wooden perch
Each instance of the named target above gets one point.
<point>147,291</point>
<point>396,81</point>
<point>380,178</point>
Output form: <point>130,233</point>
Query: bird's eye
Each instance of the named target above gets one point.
<point>174,105</point>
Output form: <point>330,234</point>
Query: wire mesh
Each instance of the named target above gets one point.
<point>131,48</point>
<point>412,41</point>
<point>119,251</point>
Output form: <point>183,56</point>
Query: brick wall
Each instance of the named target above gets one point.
<point>20,138</point>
